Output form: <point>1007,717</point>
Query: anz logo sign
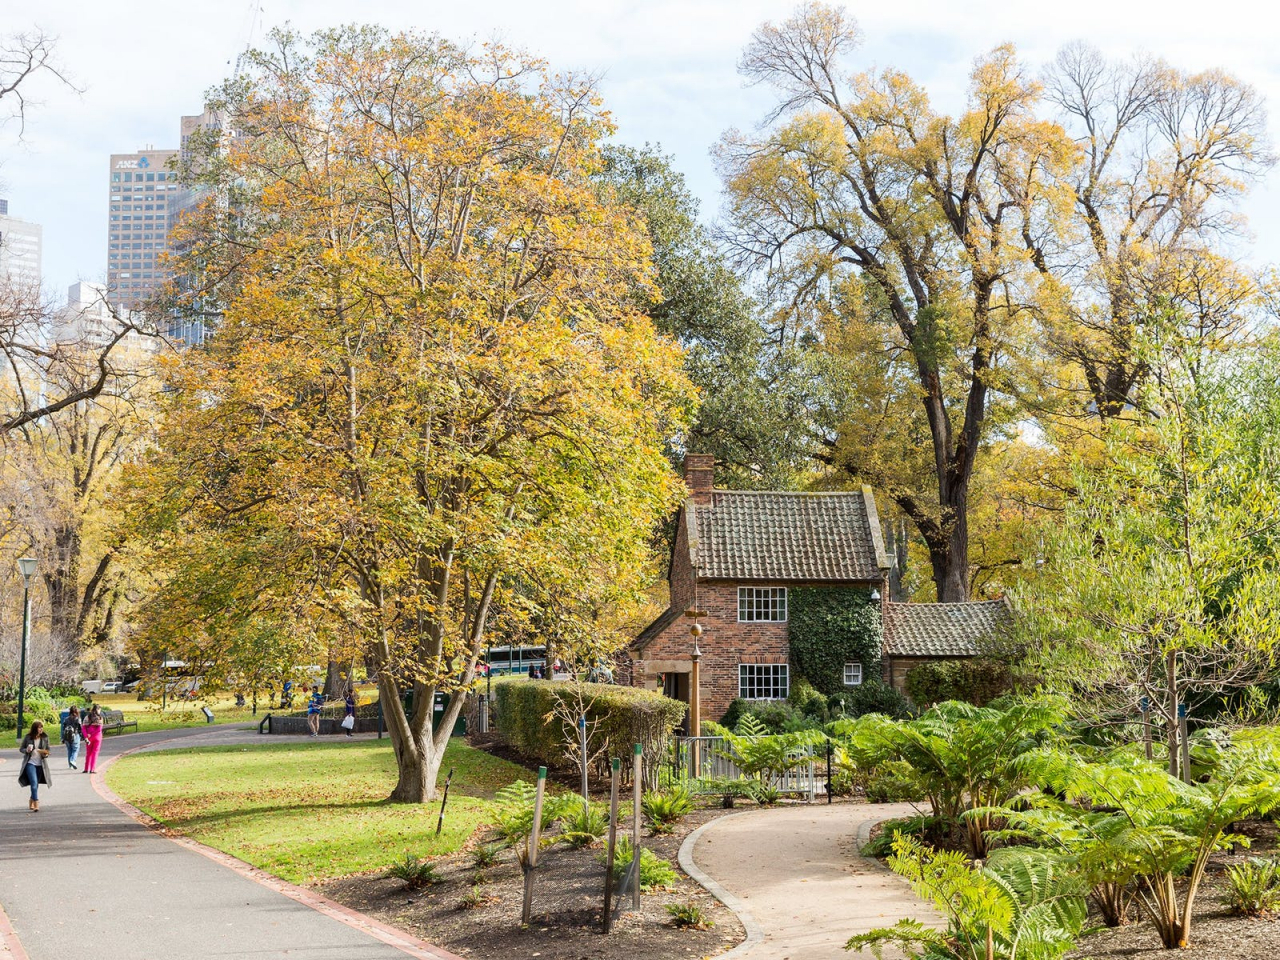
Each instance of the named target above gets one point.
<point>140,163</point>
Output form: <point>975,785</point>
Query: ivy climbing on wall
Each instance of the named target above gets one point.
<point>832,626</point>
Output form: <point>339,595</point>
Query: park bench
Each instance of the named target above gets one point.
<point>113,721</point>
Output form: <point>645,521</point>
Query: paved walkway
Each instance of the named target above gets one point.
<point>797,873</point>
<point>81,878</point>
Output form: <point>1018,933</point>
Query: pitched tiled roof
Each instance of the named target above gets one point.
<point>942,629</point>
<point>787,536</point>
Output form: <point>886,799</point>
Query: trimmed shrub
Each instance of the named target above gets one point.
<point>808,700</point>
<point>617,717</point>
<point>871,696</point>
<point>829,627</point>
<point>976,680</point>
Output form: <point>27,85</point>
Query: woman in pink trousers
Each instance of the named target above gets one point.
<point>91,726</point>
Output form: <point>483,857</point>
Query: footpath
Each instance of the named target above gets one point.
<point>796,880</point>
<point>82,878</point>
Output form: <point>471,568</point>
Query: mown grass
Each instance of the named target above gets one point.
<point>308,811</point>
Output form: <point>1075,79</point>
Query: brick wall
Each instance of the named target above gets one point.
<point>725,643</point>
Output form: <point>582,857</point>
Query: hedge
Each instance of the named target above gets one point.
<point>978,681</point>
<point>617,718</point>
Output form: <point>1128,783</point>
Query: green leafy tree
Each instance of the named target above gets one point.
<point>1161,571</point>
<point>751,378</point>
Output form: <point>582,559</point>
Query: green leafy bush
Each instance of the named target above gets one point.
<point>1021,903</point>
<point>689,916</point>
<point>582,824</point>
<point>829,627</point>
<point>870,696</point>
<point>894,781</point>
<point>416,873</point>
<point>922,827</point>
<point>515,813</point>
<point>808,700</point>
<point>663,809</point>
<point>655,872</point>
<point>1252,887</point>
<point>617,717</point>
<point>487,854</point>
<point>965,756</point>
<point>775,716</point>
<point>765,794</point>
<point>977,680</point>
<point>1161,832</point>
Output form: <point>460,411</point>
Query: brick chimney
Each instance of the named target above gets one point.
<point>698,471</point>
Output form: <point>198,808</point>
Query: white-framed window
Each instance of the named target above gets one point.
<point>852,674</point>
<point>762,603</point>
<point>763,681</point>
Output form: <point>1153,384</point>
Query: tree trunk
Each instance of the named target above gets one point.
<point>1171,678</point>
<point>63,584</point>
<point>949,550</point>
<point>334,685</point>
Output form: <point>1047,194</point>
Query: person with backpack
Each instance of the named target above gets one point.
<point>71,735</point>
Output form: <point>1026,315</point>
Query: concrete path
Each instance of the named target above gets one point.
<point>82,878</point>
<point>796,872</point>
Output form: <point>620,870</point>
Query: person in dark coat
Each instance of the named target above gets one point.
<point>35,763</point>
<point>71,735</point>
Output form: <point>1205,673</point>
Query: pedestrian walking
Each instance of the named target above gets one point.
<point>35,764</point>
<point>314,706</point>
<point>71,735</point>
<point>91,727</point>
<point>349,721</point>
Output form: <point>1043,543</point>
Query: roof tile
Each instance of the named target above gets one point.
<point>788,536</point>
<point>942,629</point>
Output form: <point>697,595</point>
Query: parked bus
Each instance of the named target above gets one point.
<point>514,660</point>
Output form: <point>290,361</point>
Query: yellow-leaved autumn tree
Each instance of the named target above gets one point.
<point>428,405</point>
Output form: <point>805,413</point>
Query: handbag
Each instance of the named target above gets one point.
<point>348,722</point>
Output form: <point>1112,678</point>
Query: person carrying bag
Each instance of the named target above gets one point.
<point>35,764</point>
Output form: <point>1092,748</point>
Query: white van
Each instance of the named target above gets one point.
<point>100,686</point>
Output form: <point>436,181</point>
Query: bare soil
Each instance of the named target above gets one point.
<point>568,899</point>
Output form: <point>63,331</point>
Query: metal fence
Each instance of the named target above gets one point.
<point>697,759</point>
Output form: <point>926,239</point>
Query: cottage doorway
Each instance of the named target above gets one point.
<point>676,686</point>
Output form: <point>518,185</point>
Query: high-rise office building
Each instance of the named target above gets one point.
<point>20,243</point>
<point>138,225</point>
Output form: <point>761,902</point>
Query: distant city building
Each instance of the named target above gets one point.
<point>147,203</point>
<point>20,244</point>
<point>138,225</point>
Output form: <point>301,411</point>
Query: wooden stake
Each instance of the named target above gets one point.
<point>444,801</point>
<point>531,857</point>
<point>635,828</point>
<point>616,765</point>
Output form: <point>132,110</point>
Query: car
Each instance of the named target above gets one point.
<point>111,686</point>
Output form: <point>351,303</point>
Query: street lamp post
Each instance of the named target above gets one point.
<point>28,567</point>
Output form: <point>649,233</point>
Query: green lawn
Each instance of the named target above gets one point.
<point>309,811</point>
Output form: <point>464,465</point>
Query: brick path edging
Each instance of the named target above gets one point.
<point>402,941</point>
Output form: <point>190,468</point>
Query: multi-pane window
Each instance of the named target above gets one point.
<point>762,603</point>
<point>852,674</point>
<point>763,681</point>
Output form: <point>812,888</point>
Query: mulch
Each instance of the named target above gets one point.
<point>567,905</point>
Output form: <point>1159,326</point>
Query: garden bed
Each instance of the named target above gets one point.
<point>567,903</point>
<point>1216,933</point>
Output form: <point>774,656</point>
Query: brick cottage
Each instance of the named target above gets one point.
<point>736,556</point>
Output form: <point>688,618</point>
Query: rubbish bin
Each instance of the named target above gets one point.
<point>437,714</point>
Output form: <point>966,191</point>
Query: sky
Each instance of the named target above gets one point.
<point>668,73</point>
